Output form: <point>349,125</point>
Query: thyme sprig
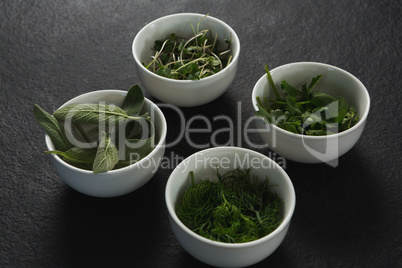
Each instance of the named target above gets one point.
<point>191,58</point>
<point>236,208</point>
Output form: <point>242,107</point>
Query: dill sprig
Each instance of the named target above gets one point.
<point>236,208</point>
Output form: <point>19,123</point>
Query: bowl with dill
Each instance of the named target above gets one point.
<point>229,206</point>
<point>310,112</point>
<point>186,59</point>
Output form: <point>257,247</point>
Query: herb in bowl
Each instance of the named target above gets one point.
<point>236,208</point>
<point>109,135</point>
<point>192,58</point>
<point>306,111</point>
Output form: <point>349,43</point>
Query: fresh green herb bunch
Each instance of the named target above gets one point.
<point>306,111</point>
<point>236,208</point>
<point>103,126</point>
<point>189,59</point>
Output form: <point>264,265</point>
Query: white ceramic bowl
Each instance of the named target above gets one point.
<point>184,93</point>
<point>120,181</point>
<point>313,149</point>
<point>204,164</point>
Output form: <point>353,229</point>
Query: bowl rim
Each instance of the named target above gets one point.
<point>233,62</point>
<point>363,117</point>
<point>285,222</point>
<point>159,145</point>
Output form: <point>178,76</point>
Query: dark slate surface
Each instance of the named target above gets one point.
<point>51,51</point>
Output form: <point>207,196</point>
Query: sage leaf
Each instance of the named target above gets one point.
<point>77,155</point>
<point>143,141</point>
<point>134,100</point>
<point>91,113</point>
<point>86,155</point>
<point>136,150</point>
<point>107,155</point>
<point>53,128</point>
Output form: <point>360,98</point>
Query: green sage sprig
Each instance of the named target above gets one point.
<point>119,133</point>
<point>191,58</point>
<point>306,111</point>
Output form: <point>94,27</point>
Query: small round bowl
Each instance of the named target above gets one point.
<point>120,181</point>
<point>184,93</point>
<point>205,165</point>
<point>313,149</point>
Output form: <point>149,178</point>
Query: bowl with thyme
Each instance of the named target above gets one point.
<point>105,143</point>
<point>310,112</point>
<point>229,206</point>
<point>186,59</point>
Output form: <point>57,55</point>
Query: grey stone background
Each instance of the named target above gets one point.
<point>52,51</point>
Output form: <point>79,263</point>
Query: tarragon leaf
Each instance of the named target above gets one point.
<point>107,155</point>
<point>53,128</point>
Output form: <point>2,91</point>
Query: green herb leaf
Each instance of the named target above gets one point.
<point>107,155</point>
<point>53,128</point>
<point>271,82</point>
<point>134,100</point>
<point>314,81</point>
<point>292,107</point>
<point>321,98</point>
<point>264,114</point>
<point>350,119</point>
<point>290,90</point>
<point>77,155</point>
<point>141,143</point>
<point>92,113</point>
<point>337,110</point>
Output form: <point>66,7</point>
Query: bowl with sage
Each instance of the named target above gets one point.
<point>105,143</point>
<point>310,112</point>
<point>229,206</point>
<point>186,59</point>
